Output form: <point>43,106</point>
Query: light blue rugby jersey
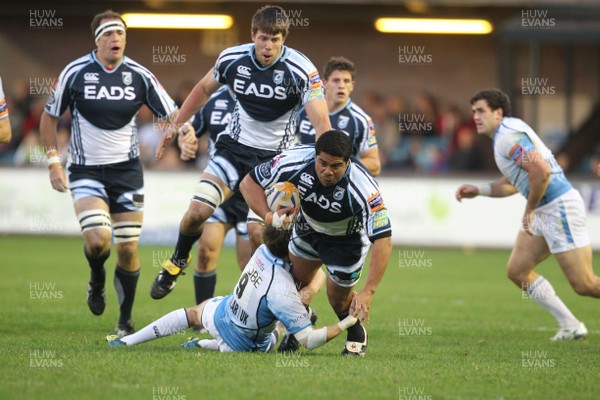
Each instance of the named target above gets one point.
<point>264,293</point>
<point>513,141</point>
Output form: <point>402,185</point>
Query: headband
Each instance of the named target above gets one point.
<point>109,26</point>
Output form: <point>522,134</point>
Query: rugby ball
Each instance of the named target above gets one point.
<point>282,195</point>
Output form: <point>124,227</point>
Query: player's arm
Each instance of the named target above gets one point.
<point>48,124</point>
<point>318,114</point>
<point>499,188</point>
<point>370,159</point>
<point>195,100</point>
<point>380,257</point>
<point>539,176</point>
<point>311,338</point>
<point>5,130</point>
<point>255,197</point>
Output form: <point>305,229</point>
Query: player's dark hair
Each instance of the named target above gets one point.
<point>271,20</point>
<point>339,64</point>
<point>495,99</point>
<point>335,143</point>
<point>276,240</point>
<point>108,14</point>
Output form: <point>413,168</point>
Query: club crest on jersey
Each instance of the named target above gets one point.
<point>278,76</point>
<point>338,193</point>
<point>343,122</point>
<point>127,77</point>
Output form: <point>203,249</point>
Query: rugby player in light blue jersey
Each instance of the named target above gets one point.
<point>246,319</point>
<point>270,82</point>
<point>554,218</point>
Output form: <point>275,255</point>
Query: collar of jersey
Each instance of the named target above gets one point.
<point>108,71</point>
<point>342,108</point>
<point>497,130</point>
<point>257,64</point>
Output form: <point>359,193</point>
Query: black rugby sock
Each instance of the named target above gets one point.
<point>125,285</point>
<point>355,333</point>
<point>185,241</point>
<point>204,285</point>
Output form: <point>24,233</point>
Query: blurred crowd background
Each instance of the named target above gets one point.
<point>421,112</point>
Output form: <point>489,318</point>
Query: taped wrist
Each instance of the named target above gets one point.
<point>485,189</point>
<point>312,338</point>
<point>347,322</point>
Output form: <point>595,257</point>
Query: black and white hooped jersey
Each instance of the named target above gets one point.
<point>353,207</point>
<point>214,116</point>
<point>104,104</point>
<point>350,119</point>
<point>268,98</point>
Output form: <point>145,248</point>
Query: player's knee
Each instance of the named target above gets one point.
<point>196,215</point>
<point>516,275</point>
<point>96,246</point>
<point>97,242</point>
<point>206,259</point>
<point>96,229</point>
<point>127,253</point>
<point>192,316</point>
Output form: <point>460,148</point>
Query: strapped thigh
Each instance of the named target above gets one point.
<point>127,231</point>
<point>93,219</point>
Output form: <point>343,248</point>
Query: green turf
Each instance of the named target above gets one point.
<point>451,327</point>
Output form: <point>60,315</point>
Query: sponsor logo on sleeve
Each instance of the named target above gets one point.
<point>371,128</point>
<point>380,221</point>
<point>314,80</point>
<point>376,202</point>
<point>516,153</point>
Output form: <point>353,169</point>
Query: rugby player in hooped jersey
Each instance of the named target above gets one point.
<point>342,212</point>
<point>345,115</point>
<point>270,82</point>
<point>212,119</point>
<point>105,90</point>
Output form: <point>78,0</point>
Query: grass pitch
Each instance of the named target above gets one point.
<point>445,324</point>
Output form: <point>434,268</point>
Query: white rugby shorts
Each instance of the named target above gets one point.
<point>562,223</point>
<point>208,322</point>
